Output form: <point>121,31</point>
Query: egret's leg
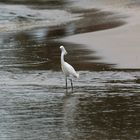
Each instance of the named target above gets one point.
<point>66,83</point>
<point>71,84</point>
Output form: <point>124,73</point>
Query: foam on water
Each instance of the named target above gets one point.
<point>21,17</point>
<point>50,79</point>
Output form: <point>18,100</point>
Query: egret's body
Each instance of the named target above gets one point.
<point>67,69</point>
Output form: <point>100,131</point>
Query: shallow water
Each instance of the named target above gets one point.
<point>34,104</point>
<point>104,105</point>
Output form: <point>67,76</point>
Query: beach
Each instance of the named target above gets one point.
<point>102,41</point>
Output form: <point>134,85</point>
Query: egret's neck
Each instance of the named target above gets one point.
<point>62,58</point>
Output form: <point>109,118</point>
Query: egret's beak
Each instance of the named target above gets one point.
<point>63,50</point>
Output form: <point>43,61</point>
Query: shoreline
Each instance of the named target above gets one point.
<point>103,42</point>
<point>119,46</point>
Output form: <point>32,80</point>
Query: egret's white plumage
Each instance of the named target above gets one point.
<point>67,69</point>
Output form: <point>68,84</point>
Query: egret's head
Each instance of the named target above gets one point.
<point>63,50</point>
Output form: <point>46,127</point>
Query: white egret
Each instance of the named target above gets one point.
<point>67,69</point>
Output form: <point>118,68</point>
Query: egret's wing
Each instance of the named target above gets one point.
<point>71,70</point>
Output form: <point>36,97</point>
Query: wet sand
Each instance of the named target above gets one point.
<point>119,46</point>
